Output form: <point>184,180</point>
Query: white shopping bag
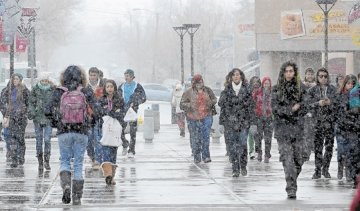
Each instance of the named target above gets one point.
<point>130,116</point>
<point>111,132</point>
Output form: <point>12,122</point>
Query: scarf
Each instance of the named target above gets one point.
<point>236,88</point>
<point>44,87</point>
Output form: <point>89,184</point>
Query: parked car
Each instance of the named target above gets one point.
<point>157,92</point>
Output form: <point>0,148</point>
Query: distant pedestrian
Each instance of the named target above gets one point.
<point>14,107</point>
<point>39,97</point>
<point>134,95</point>
<point>238,107</point>
<point>68,111</point>
<point>112,104</point>
<point>179,114</point>
<point>254,85</point>
<point>288,107</point>
<point>321,102</point>
<point>345,133</point>
<point>198,102</point>
<point>309,82</point>
<point>94,148</point>
<point>339,80</point>
<point>264,120</point>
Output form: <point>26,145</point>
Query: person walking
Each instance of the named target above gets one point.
<point>14,107</point>
<point>289,109</point>
<point>198,102</point>
<point>264,120</point>
<point>94,148</point>
<point>134,95</point>
<point>309,82</point>
<point>236,102</point>
<point>344,128</point>
<point>321,102</point>
<point>254,85</point>
<point>223,118</point>
<point>179,114</point>
<point>68,112</point>
<point>111,104</point>
<point>39,97</point>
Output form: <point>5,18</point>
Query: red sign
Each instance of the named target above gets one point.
<point>28,12</point>
<point>3,47</point>
<point>21,43</point>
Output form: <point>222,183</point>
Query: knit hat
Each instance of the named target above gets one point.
<point>18,75</point>
<point>130,72</point>
<point>44,76</point>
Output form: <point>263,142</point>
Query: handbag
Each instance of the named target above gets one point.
<point>111,132</point>
<point>130,116</point>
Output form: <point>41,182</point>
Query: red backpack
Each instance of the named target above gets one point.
<point>73,107</point>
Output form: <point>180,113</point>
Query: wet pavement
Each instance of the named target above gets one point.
<point>162,176</point>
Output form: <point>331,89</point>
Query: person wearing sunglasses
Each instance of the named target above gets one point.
<point>321,102</point>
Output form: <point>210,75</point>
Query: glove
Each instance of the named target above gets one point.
<point>253,129</point>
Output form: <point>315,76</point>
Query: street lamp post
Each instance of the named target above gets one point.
<point>326,11</point>
<point>181,31</point>
<point>192,28</point>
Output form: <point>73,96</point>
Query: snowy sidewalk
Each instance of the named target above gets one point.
<point>162,176</point>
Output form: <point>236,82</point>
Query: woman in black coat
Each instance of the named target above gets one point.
<point>289,109</point>
<point>237,107</point>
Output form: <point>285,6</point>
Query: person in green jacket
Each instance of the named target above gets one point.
<point>39,96</point>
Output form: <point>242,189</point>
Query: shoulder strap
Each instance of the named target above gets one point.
<point>63,88</point>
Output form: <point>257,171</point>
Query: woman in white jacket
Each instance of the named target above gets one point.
<point>179,114</point>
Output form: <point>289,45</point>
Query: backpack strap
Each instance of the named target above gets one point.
<point>63,88</point>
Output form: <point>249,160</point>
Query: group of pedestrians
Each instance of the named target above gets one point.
<point>76,109</point>
<point>304,116</point>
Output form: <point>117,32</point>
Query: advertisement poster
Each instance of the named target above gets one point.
<point>354,23</point>
<point>292,24</point>
<point>338,23</point>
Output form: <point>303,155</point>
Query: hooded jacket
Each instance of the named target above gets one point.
<point>259,99</point>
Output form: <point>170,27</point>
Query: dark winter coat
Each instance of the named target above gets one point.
<point>286,122</point>
<point>116,112</point>
<point>237,110</point>
<point>38,100</point>
<point>137,98</point>
<point>72,78</point>
<point>348,121</point>
<point>324,113</point>
<point>18,109</point>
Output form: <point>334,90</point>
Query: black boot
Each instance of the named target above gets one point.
<point>40,161</point>
<point>325,173</point>
<point>182,132</point>
<point>47,162</point>
<point>317,174</point>
<point>77,191</point>
<point>65,182</point>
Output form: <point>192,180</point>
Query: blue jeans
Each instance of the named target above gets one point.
<point>109,154</point>
<point>7,137</point>
<point>238,148</point>
<point>94,147</point>
<point>343,148</point>
<point>200,134</point>
<point>72,145</point>
<point>43,134</point>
